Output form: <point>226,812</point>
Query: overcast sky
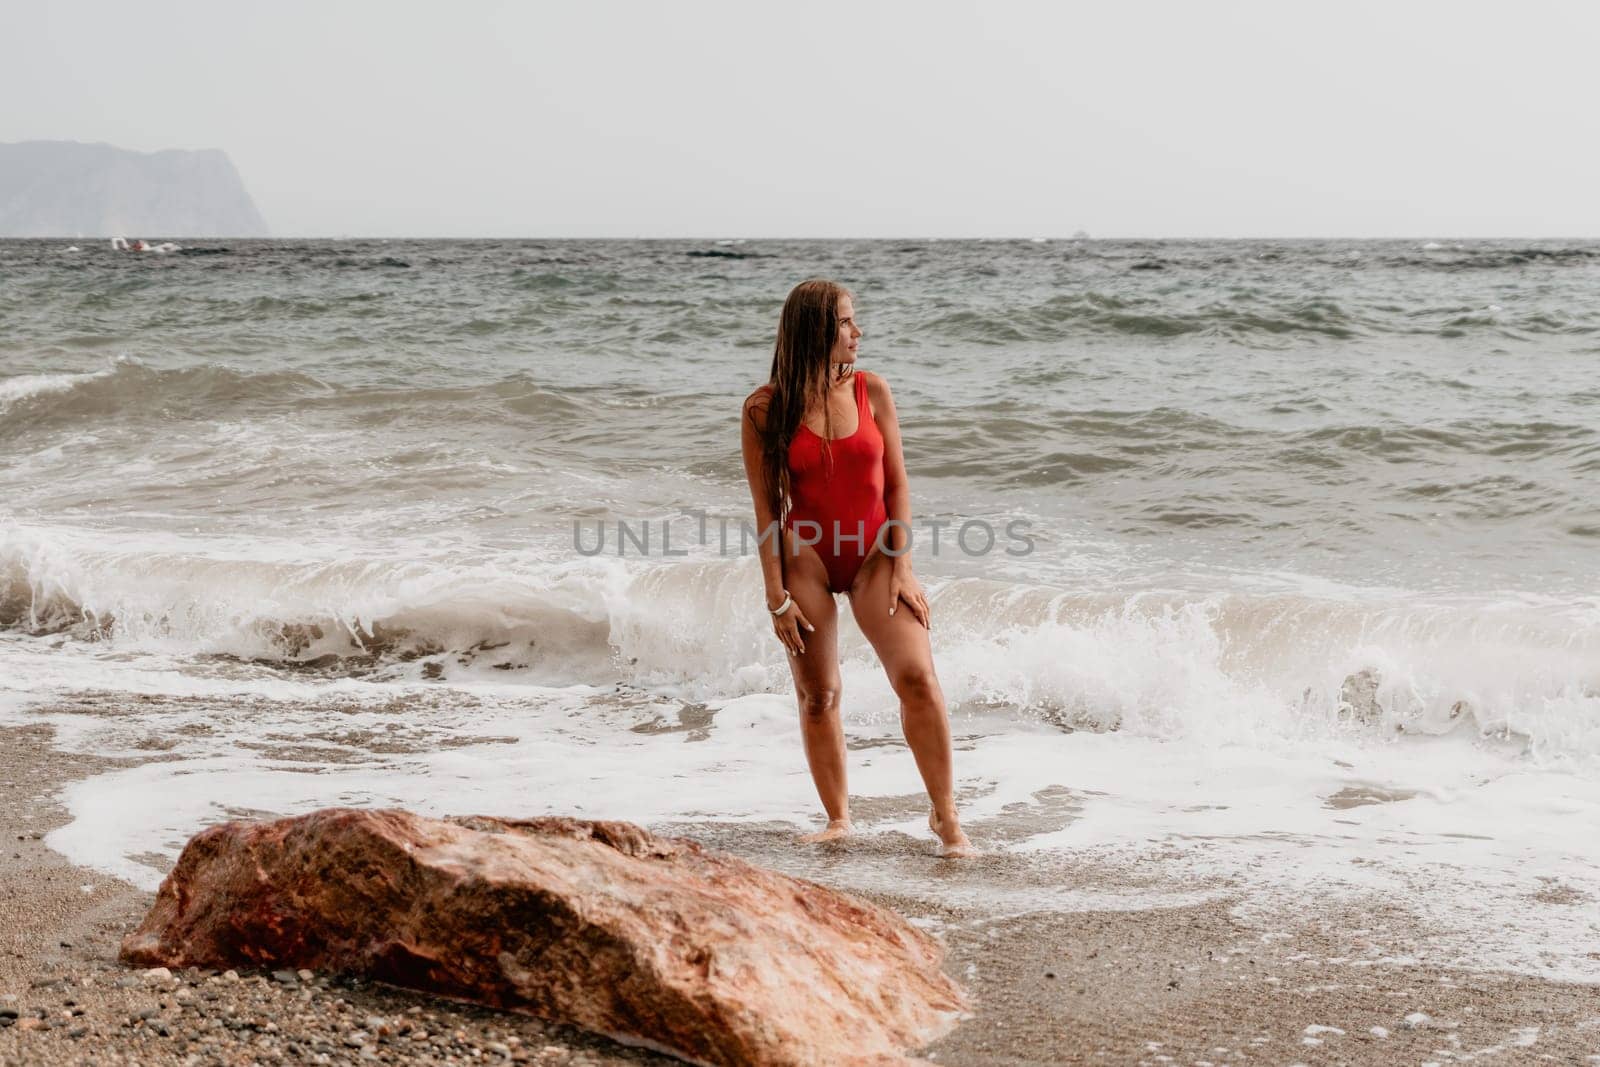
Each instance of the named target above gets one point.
<point>862,119</point>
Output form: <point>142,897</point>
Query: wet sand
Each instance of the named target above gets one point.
<point>1188,984</point>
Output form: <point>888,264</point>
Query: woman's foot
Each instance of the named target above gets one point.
<point>954,844</point>
<point>835,829</point>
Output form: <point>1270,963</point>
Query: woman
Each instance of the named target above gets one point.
<point>836,494</point>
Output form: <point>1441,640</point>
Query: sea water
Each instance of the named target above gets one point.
<point>1312,604</point>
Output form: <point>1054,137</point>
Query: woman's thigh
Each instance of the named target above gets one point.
<point>817,669</point>
<point>900,641</point>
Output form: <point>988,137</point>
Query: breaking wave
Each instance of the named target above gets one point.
<point>1223,666</point>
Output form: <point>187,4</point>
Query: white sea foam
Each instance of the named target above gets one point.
<point>1247,666</point>
<point>1491,854</point>
<point>22,386</point>
<point>1197,736</point>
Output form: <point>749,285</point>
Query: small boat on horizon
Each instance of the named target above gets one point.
<point>122,244</point>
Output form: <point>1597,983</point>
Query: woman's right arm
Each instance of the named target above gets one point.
<point>787,626</point>
<point>752,423</point>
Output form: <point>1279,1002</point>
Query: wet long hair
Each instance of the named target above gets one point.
<point>800,377</point>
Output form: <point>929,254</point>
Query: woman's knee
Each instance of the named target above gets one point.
<point>818,702</point>
<point>918,686</point>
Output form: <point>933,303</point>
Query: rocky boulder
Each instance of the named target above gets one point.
<point>652,941</point>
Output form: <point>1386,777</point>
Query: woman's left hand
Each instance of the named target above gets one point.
<point>903,585</point>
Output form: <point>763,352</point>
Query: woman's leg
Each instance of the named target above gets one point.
<point>816,688</point>
<point>901,643</point>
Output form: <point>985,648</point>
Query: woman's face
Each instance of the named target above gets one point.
<point>844,345</point>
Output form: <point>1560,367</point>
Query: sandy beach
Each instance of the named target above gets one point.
<point>1189,984</point>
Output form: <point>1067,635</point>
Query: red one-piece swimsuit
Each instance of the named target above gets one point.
<point>837,497</point>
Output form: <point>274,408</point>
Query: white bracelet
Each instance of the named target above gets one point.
<point>781,608</point>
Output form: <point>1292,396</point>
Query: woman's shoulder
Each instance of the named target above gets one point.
<point>756,404</point>
<point>877,387</point>
<point>877,390</point>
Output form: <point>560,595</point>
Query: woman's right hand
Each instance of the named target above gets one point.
<point>788,628</point>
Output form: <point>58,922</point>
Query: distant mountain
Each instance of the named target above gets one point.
<point>67,189</point>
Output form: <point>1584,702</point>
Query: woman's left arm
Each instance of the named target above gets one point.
<point>903,584</point>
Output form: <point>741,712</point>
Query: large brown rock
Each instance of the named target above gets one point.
<point>650,940</point>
